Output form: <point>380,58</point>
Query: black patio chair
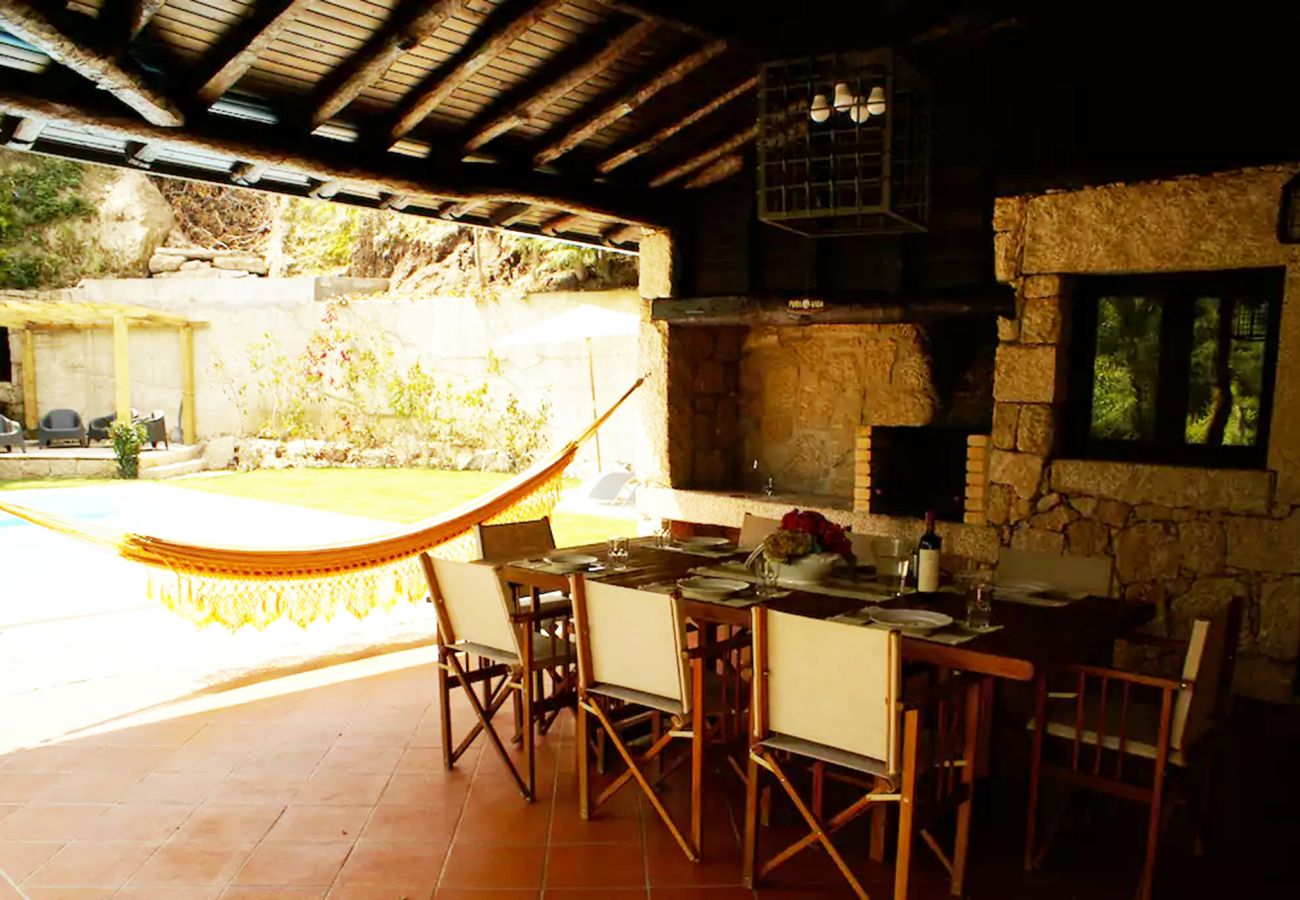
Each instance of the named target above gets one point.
<point>11,435</point>
<point>155,427</point>
<point>97,429</point>
<point>62,425</point>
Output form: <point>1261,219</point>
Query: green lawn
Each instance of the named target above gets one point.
<point>398,495</point>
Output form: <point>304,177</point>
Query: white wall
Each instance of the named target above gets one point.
<point>451,335</point>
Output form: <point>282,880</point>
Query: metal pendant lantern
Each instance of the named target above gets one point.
<point>844,145</point>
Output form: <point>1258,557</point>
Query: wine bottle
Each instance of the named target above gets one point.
<point>927,570</point>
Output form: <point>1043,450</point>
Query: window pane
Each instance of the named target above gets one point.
<point>1127,366</point>
<point>1225,381</point>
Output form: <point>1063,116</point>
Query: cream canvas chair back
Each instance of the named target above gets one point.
<point>1207,650</point>
<point>834,684</point>
<point>523,538</point>
<point>476,603</point>
<point>1071,573</point>
<point>753,529</point>
<point>635,640</point>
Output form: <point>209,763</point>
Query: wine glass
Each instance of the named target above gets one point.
<point>979,605</point>
<point>616,550</point>
<point>769,572</point>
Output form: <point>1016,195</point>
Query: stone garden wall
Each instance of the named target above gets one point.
<point>1185,539</point>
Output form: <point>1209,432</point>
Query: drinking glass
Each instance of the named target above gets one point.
<point>616,550</point>
<point>893,561</point>
<point>979,606</point>
<point>769,571</point>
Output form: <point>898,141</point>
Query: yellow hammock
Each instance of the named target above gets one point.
<point>238,586</point>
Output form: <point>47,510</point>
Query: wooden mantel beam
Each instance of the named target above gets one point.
<point>648,144</point>
<point>374,60</point>
<point>629,102</point>
<point>324,162</point>
<point>241,60</point>
<point>24,20</point>
<point>541,98</point>
<point>495,36</point>
<point>700,160</point>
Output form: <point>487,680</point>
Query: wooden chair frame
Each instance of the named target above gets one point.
<point>955,704</point>
<point>516,681</point>
<point>690,727</point>
<point>1089,770</point>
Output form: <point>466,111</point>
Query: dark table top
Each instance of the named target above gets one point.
<point>1032,639</point>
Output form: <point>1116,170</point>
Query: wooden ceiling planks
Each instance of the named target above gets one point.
<point>628,102</point>
<point>553,74</point>
<point>31,24</point>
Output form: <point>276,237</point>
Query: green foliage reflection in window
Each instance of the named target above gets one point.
<point>1126,370</point>
<point>1226,378</point>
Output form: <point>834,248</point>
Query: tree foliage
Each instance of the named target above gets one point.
<point>35,197</point>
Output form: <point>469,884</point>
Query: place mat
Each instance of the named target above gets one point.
<point>743,601</point>
<point>723,553</point>
<point>834,587</point>
<point>953,635</point>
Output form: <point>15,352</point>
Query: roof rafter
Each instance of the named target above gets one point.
<point>700,160</point>
<point>650,143</point>
<point>628,102</point>
<point>125,19</point>
<point>374,60</point>
<point>543,96</point>
<point>324,162</point>
<point>24,20</point>
<point>496,35</point>
<point>265,31</point>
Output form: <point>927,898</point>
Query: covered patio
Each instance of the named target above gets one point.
<point>972,391</point>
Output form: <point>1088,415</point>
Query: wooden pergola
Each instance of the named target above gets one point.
<point>27,315</point>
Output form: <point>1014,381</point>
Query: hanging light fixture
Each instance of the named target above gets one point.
<point>843,96</point>
<point>876,101</point>
<point>820,110</point>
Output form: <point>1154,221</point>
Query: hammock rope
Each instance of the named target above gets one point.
<point>237,586</point>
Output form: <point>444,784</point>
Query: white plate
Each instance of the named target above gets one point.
<point>571,560</point>
<point>711,587</point>
<point>704,543</point>
<point>920,621</point>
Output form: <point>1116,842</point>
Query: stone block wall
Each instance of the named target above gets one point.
<point>703,413</point>
<point>1184,539</point>
<point>806,391</point>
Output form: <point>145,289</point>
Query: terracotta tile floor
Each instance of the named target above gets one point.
<point>331,785</point>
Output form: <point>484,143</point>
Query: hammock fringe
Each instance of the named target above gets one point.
<point>237,586</point>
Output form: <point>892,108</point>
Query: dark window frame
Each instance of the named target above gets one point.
<point>6,361</point>
<point>1177,294</point>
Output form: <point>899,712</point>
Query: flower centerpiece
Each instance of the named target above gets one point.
<point>806,547</point>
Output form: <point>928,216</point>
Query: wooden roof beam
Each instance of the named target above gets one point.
<point>700,160</point>
<point>265,31</point>
<point>324,161</point>
<point>140,155</point>
<point>125,19</point>
<point>628,102</point>
<point>509,215</point>
<point>247,174</point>
<point>25,132</point>
<point>374,60</point>
<point>620,234</point>
<point>719,170</point>
<point>541,98</point>
<point>22,19</point>
<point>555,224</point>
<point>496,35</point>
<point>633,9</point>
<point>648,144</point>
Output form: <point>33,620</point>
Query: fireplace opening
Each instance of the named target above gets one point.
<point>914,470</point>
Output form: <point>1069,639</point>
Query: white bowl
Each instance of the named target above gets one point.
<point>912,621</point>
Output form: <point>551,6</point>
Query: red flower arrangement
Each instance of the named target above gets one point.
<point>826,536</point>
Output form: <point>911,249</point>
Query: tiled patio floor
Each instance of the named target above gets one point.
<point>331,784</point>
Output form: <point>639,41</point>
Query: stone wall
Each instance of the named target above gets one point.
<point>1185,539</point>
<point>806,390</point>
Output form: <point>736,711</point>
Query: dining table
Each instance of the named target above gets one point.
<point>1027,641</point>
